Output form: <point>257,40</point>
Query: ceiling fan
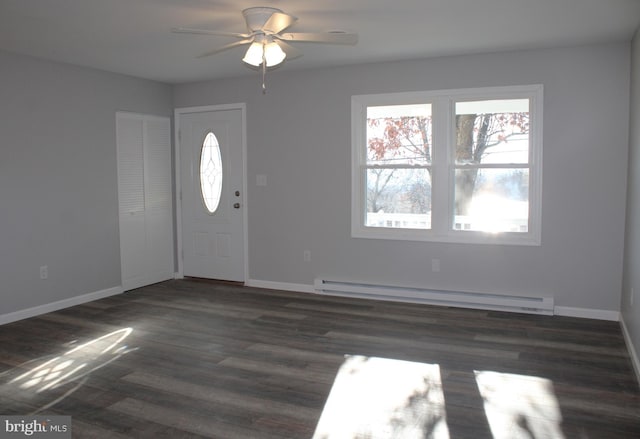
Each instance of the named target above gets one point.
<point>268,45</point>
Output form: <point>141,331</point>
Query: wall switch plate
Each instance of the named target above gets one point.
<point>435,265</point>
<point>261,180</point>
<point>306,255</point>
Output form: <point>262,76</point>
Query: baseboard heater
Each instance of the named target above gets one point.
<point>496,302</point>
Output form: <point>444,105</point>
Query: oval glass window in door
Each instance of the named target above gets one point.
<point>211,173</point>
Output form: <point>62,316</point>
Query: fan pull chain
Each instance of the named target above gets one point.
<point>264,68</point>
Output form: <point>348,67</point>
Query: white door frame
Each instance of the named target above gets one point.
<point>178,112</point>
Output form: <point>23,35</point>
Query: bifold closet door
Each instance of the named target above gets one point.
<point>145,199</point>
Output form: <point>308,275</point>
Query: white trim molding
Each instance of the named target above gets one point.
<point>587,313</point>
<point>635,361</point>
<point>60,304</point>
<point>284,286</point>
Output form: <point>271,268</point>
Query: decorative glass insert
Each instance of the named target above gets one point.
<point>211,173</point>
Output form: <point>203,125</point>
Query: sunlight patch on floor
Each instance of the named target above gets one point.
<point>65,372</point>
<point>378,398</point>
<point>520,406</point>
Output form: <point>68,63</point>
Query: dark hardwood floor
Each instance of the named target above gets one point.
<point>192,358</point>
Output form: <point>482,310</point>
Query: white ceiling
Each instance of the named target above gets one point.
<point>134,37</point>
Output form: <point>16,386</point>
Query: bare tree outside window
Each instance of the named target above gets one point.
<point>399,166</point>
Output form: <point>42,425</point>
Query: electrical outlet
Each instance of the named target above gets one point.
<point>306,255</point>
<point>44,272</point>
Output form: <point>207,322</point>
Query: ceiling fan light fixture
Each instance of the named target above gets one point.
<point>273,54</point>
<point>268,44</point>
<point>254,54</point>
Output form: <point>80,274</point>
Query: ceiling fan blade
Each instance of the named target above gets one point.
<point>321,37</point>
<point>226,47</point>
<point>292,52</point>
<point>278,22</point>
<point>186,30</point>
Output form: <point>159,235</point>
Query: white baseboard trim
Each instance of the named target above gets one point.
<point>587,313</point>
<point>632,351</point>
<point>285,286</point>
<point>60,304</point>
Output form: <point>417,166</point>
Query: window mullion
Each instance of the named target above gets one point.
<point>442,129</point>
<point>493,166</point>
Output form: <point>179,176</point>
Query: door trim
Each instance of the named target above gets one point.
<point>178,112</point>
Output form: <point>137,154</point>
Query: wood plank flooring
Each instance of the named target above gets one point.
<point>191,358</point>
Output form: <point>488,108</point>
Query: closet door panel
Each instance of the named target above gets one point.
<point>144,199</point>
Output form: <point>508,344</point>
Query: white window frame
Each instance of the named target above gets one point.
<point>443,165</point>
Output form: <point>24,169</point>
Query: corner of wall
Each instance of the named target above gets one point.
<point>635,361</point>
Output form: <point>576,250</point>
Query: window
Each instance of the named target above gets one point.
<point>398,166</point>
<point>452,165</point>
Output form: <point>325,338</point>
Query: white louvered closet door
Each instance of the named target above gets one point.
<point>145,201</point>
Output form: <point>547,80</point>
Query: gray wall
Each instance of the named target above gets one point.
<point>58,177</point>
<point>299,136</point>
<point>58,182</point>
<point>631,313</point>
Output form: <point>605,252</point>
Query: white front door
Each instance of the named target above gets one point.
<point>211,144</point>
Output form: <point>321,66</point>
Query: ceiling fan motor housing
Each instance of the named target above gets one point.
<point>258,16</point>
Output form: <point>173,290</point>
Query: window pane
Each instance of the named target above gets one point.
<point>492,131</point>
<point>398,198</point>
<point>399,134</point>
<point>211,173</point>
<point>492,200</point>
